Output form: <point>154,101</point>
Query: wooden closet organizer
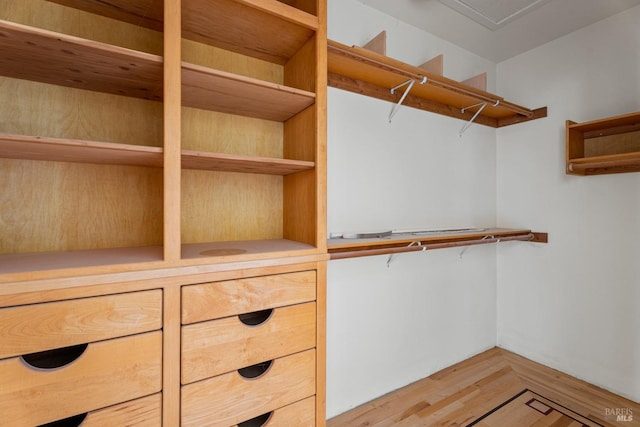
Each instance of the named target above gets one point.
<point>415,241</point>
<point>605,146</point>
<point>163,251</point>
<point>370,73</point>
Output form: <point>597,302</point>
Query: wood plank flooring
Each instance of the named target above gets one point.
<point>463,393</point>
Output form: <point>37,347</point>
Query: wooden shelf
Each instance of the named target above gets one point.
<point>43,261</point>
<point>78,151</point>
<point>245,164</point>
<point>241,250</point>
<point>282,31</point>
<point>369,73</point>
<point>604,146</point>
<point>49,57</point>
<point>101,67</point>
<point>399,242</point>
<point>215,90</point>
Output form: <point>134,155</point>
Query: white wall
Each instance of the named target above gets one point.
<point>390,326</point>
<point>573,304</point>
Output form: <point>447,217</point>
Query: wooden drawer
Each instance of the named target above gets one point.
<point>215,300</point>
<point>229,399</point>
<point>143,412</point>
<point>299,414</point>
<point>39,327</point>
<point>106,373</point>
<point>218,346</point>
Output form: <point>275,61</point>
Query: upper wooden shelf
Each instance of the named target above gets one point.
<point>44,56</point>
<point>216,90</point>
<point>283,29</point>
<point>604,146</point>
<point>369,73</point>
<point>419,240</point>
<point>79,151</point>
<point>48,57</point>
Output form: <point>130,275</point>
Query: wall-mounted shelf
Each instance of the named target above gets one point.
<point>605,146</point>
<point>411,241</point>
<point>362,71</point>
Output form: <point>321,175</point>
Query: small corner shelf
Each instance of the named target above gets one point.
<point>369,73</point>
<point>411,241</point>
<point>605,146</point>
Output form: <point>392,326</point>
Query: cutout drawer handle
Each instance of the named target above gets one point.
<point>74,421</point>
<point>53,359</point>
<point>259,421</point>
<point>255,371</point>
<point>256,318</point>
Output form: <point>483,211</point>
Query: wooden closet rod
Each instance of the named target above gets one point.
<point>602,163</point>
<point>387,251</point>
<point>435,81</point>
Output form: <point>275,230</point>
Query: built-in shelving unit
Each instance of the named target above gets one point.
<point>369,73</point>
<point>159,158</point>
<point>422,240</point>
<point>250,156</point>
<point>605,146</point>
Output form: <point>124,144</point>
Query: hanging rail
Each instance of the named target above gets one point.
<point>438,81</point>
<point>424,245</point>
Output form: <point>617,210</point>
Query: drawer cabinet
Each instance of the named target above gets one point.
<point>237,396</point>
<point>143,412</point>
<point>222,345</point>
<point>68,358</point>
<point>229,298</point>
<point>299,414</point>
<point>103,374</point>
<point>39,327</point>
<point>249,351</point>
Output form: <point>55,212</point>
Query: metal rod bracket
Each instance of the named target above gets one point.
<point>409,82</point>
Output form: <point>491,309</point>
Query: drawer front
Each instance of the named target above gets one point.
<point>219,346</point>
<point>229,399</point>
<point>299,414</point>
<point>106,373</point>
<point>39,327</point>
<point>143,412</point>
<point>215,300</point>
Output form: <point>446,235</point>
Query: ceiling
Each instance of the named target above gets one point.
<point>500,29</point>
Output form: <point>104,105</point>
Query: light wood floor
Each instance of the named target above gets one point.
<point>462,393</point>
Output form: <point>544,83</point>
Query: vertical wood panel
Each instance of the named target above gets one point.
<point>219,206</point>
<point>53,206</point>
<point>231,134</point>
<point>171,357</point>
<point>172,128</point>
